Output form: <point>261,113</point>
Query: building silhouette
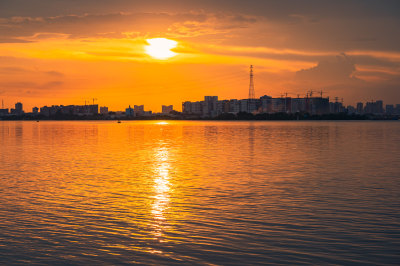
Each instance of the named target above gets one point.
<point>212,107</point>
<point>104,110</point>
<point>166,109</point>
<point>18,110</point>
<point>79,110</point>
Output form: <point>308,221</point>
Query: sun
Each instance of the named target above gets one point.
<point>160,48</point>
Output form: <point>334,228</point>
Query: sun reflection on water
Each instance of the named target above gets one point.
<point>161,190</point>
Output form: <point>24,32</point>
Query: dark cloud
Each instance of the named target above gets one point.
<point>50,85</point>
<point>271,9</point>
<point>339,26</point>
<point>18,84</point>
<point>211,24</point>
<point>30,85</point>
<point>337,70</point>
<point>116,25</point>
<point>18,88</point>
<point>13,40</point>
<point>54,73</point>
<point>365,39</point>
<point>368,60</point>
<point>339,76</point>
<point>12,70</point>
<point>382,76</point>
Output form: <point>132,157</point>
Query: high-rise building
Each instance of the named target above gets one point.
<point>336,107</point>
<point>18,107</point>
<point>92,109</point>
<point>389,109</point>
<point>360,108</point>
<point>139,110</point>
<point>252,105</point>
<point>279,105</point>
<point>244,105</point>
<point>234,106</point>
<point>129,111</point>
<point>397,109</point>
<point>319,105</point>
<point>374,107</point>
<point>379,107</point>
<point>3,111</point>
<point>223,107</point>
<point>298,105</point>
<point>187,107</point>
<point>166,109</point>
<point>210,106</point>
<point>265,104</point>
<point>104,110</point>
<point>351,110</point>
<point>35,110</point>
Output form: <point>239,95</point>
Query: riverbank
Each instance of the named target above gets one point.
<point>223,117</point>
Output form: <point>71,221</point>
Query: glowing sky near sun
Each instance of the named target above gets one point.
<point>153,53</point>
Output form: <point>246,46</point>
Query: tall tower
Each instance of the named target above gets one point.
<point>251,87</point>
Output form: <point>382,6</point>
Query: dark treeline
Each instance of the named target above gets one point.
<point>225,116</point>
<point>296,116</point>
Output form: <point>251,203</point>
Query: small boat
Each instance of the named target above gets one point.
<point>119,122</point>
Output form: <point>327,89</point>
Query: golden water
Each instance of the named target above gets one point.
<point>199,192</point>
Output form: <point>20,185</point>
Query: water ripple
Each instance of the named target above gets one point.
<point>211,193</point>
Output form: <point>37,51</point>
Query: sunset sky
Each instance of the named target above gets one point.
<point>69,51</point>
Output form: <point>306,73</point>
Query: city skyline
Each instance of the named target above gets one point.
<point>251,95</point>
<point>159,108</point>
<point>211,107</point>
<point>154,52</point>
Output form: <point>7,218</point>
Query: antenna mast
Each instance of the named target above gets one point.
<point>251,87</point>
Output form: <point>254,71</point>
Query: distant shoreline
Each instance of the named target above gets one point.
<point>223,117</point>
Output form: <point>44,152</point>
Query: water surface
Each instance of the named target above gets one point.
<point>200,192</point>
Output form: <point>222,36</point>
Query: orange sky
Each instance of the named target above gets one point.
<point>67,56</point>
